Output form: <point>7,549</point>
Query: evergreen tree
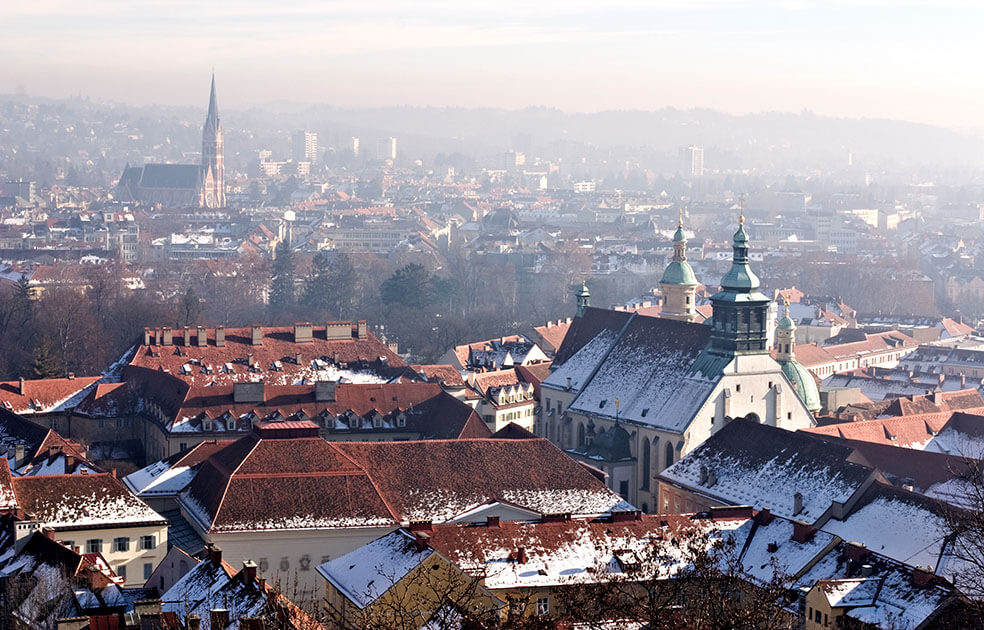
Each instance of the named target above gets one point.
<point>410,286</point>
<point>317,285</point>
<point>46,364</point>
<point>282,281</point>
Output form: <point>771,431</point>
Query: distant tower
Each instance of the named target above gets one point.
<point>797,375</point>
<point>355,146</point>
<point>692,161</point>
<point>213,163</point>
<point>679,284</point>
<point>583,299</point>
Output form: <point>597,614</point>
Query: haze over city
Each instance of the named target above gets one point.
<point>910,61</point>
<point>491,315</point>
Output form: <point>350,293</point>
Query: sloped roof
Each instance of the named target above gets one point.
<point>553,334</point>
<point>179,176</point>
<point>913,432</point>
<point>43,395</point>
<point>651,371</point>
<point>762,466</point>
<point>82,501</point>
<point>585,328</point>
<point>367,359</point>
<point>258,483</point>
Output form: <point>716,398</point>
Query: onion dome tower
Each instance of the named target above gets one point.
<point>800,378</point>
<point>740,309</point>
<point>679,284</point>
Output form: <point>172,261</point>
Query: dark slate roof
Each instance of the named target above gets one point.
<point>754,464</point>
<point>182,176</point>
<point>650,371</point>
<point>585,328</point>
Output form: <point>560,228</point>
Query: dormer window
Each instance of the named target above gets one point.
<point>377,421</point>
<point>354,422</point>
<point>401,420</point>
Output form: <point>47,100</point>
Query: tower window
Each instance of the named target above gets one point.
<point>738,387</point>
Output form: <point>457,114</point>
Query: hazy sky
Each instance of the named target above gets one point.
<point>893,59</point>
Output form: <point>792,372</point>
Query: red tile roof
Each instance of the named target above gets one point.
<point>41,395</point>
<point>278,345</point>
<point>298,483</point>
<point>552,334</point>
<point>446,375</point>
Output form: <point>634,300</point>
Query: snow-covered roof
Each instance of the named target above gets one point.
<point>369,571</point>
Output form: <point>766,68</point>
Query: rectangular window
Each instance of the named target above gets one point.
<point>182,446</point>
<point>148,542</point>
<point>738,387</point>
<point>121,571</point>
<point>121,544</point>
<point>623,489</point>
<point>148,569</point>
<point>94,545</point>
<point>543,606</point>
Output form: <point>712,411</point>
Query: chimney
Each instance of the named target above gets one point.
<point>729,512</point>
<point>559,517</point>
<point>712,478</point>
<point>856,553</point>
<point>803,532</point>
<point>764,516</point>
<point>220,336</point>
<point>157,336</point>
<point>218,619</point>
<point>18,454</point>
<point>492,521</point>
<point>867,570</point>
<point>249,571</point>
<point>251,623</point>
<point>20,388</point>
<point>297,358</point>
<point>324,391</point>
<point>193,622</point>
<point>187,337</point>
<point>363,329</point>
<point>797,503</point>
<point>249,359</point>
<point>48,533</point>
<point>168,336</point>
<point>248,392</point>
<point>69,463</point>
<point>626,516</point>
<point>421,540</point>
<point>256,335</point>
<point>963,381</point>
<point>336,358</point>
<point>146,340</point>
<point>71,376</point>
<point>421,526</point>
<point>922,576</point>
<point>521,556</point>
<point>772,547</point>
<point>703,475</point>
<point>337,331</point>
<point>214,554</point>
<point>303,333</point>
<point>202,337</point>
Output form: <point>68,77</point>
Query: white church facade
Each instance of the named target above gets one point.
<point>632,394</point>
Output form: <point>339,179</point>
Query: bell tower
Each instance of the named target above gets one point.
<point>679,284</point>
<point>740,309</point>
<point>583,299</point>
<point>213,163</point>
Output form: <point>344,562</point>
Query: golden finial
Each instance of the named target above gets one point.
<point>785,300</point>
<point>680,223</point>
<point>741,209</point>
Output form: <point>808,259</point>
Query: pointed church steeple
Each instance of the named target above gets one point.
<point>213,160</point>
<point>212,117</point>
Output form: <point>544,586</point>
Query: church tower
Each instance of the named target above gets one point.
<point>740,309</point>
<point>213,166</point>
<point>797,375</point>
<point>679,284</point>
<point>583,299</point>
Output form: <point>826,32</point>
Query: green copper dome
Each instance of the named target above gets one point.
<point>802,381</point>
<point>679,236</point>
<point>740,277</point>
<point>787,323</point>
<point>679,273</point>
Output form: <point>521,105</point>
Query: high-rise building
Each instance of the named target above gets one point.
<point>692,161</point>
<point>305,146</point>
<point>213,162</point>
<point>392,149</point>
<point>355,146</point>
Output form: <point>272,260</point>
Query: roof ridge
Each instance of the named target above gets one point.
<point>228,481</point>
<point>372,482</point>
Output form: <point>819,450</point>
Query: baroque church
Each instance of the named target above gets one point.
<point>182,185</point>
<point>632,394</point>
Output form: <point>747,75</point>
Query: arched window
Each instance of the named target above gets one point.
<point>580,435</point>
<point>646,458</point>
<point>669,455</point>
